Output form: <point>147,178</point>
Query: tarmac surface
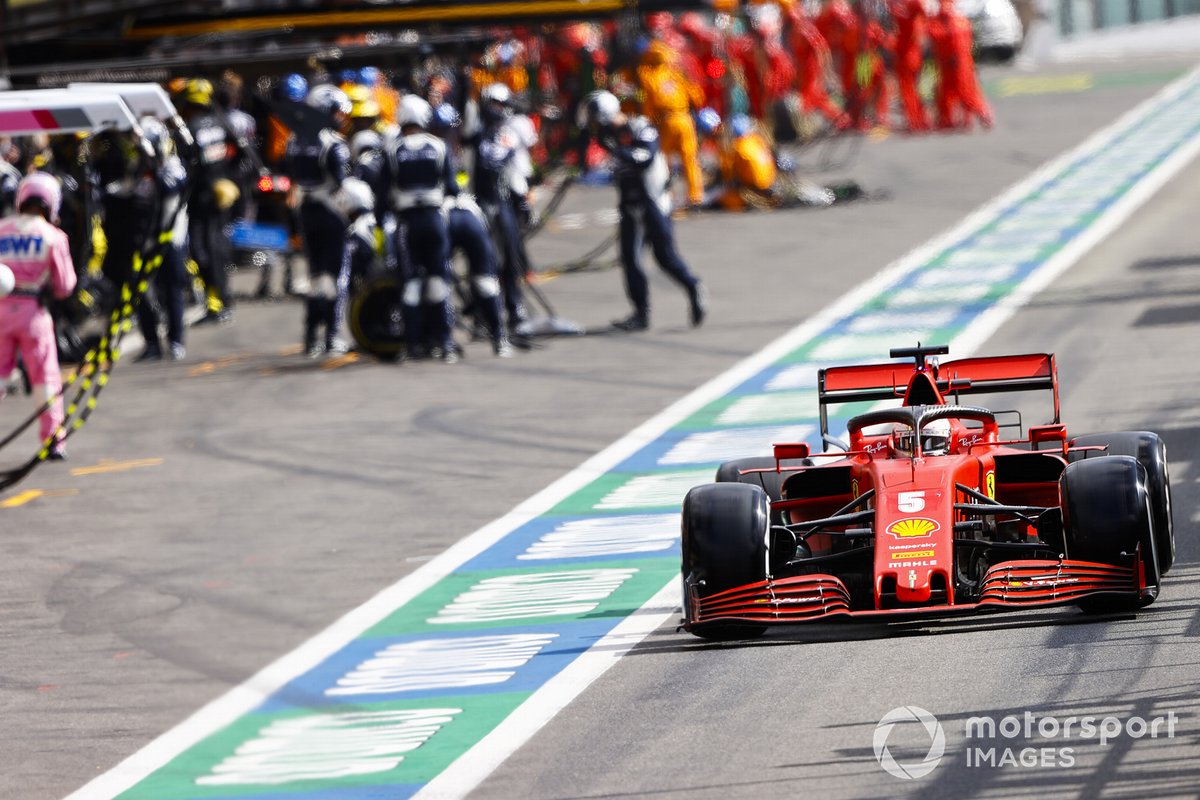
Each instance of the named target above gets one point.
<point>219,511</point>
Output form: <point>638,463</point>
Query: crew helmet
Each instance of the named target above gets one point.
<point>414,110</point>
<point>329,99</point>
<point>198,91</point>
<point>295,87</point>
<point>740,125</point>
<point>364,141</point>
<point>156,135</point>
<point>707,121</point>
<point>497,102</point>
<point>8,280</point>
<point>600,108</point>
<point>355,197</point>
<point>41,187</point>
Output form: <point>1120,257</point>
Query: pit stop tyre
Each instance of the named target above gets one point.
<point>1107,513</point>
<point>1151,452</point>
<point>376,319</point>
<point>724,547</point>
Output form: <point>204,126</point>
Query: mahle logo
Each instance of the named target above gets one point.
<point>937,742</point>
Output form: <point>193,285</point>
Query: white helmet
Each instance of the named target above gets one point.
<point>599,107</point>
<point>328,98</point>
<point>935,438</point>
<point>354,197</point>
<point>7,280</point>
<point>157,135</point>
<point>363,141</point>
<point>414,111</point>
<point>496,93</point>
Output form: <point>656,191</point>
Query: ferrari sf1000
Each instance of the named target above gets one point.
<point>928,509</point>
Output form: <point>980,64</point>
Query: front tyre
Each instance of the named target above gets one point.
<point>1106,516</point>
<point>724,546</point>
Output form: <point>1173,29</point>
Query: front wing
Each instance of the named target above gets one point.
<point>1007,586</point>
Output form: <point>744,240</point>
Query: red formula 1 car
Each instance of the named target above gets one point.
<point>928,510</point>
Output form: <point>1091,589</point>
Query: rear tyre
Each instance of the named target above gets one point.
<point>1151,452</point>
<point>724,547</point>
<point>771,482</point>
<point>1107,514</point>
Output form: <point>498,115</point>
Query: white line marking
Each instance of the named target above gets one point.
<point>471,768</point>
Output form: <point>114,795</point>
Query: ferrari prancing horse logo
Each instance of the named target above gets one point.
<point>912,528</point>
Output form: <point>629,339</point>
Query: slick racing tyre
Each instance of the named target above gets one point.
<point>1107,513</point>
<point>724,547</point>
<point>376,321</point>
<point>1151,452</point>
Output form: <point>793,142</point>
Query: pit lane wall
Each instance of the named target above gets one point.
<point>430,685</point>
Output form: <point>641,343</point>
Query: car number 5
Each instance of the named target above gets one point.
<point>910,502</point>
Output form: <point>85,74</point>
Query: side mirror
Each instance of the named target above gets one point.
<point>784,452</point>
<point>1048,433</point>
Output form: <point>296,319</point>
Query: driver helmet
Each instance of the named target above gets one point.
<point>935,438</point>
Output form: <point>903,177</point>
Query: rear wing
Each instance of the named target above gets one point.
<point>964,376</point>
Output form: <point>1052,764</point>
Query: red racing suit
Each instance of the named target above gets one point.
<point>958,85</point>
<point>40,257</point>
<point>910,20</point>
<point>812,58</point>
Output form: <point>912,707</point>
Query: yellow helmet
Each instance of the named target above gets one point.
<point>198,91</point>
<point>362,103</point>
<point>226,193</point>
<point>358,93</point>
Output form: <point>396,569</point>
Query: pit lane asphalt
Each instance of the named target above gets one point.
<point>289,493</point>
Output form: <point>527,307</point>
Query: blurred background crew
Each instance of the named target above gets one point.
<point>643,203</point>
<point>813,62</point>
<point>499,184</point>
<point>959,97</point>
<point>356,202</point>
<point>748,169</point>
<point>839,28</point>
<point>40,259</point>
<point>910,20</point>
<point>669,98</point>
<point>165,292</point>
<point>214,172</point>
<point>421,176</point>
<point>468,230</point>
<point>10,178</point>
<point>127,200</point>
<point>77,217</point>
<point>318,163</point>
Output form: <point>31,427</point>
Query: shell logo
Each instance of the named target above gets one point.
<point>913,527</point>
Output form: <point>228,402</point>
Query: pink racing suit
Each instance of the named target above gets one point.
<point>38,255</point>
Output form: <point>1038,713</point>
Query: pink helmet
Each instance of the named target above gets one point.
<point>41,186</point>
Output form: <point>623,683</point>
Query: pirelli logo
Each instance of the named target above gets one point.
<point>913,554</point>
<point>912,528</point>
